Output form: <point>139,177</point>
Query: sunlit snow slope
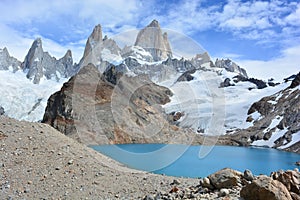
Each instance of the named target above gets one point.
<point>197,98</point>
<point>22,99</point>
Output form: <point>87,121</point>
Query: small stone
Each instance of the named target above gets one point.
<point>96,183</point>
<point>70,162</point>
<point>175,182</point>
<point>29,182</point>
<point>206,183</point>
<point>26,190</point>
<point>174,189</point>
<point>57,168</point>
<point>148,197</point>
<point>223,192</point>
<point>117,196</point>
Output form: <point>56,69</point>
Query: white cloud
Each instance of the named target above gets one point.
<point>30,18</point>
<point>17,45</point>
<point>237,22</point>
<point>294,17</point>
<point>264,22</point>
<point>277,68</point>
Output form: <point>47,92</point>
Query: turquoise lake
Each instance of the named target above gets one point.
<point>182,160</point>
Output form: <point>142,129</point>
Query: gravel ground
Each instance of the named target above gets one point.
<point>38,162</point>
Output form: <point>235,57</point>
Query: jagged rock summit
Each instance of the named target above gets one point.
<point>39,64</point>
<point>154,41</point>
<point>93,40</point>
<point>99,49</point>
<point>7,61</point>
<point>230,66</point>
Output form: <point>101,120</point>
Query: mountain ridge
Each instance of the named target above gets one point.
<point>195,82</point>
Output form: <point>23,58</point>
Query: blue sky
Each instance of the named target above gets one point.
<point>262,36</point>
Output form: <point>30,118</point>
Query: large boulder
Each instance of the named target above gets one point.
<point>290,178</point>
<point>265,188</point>
<point>225,178</point>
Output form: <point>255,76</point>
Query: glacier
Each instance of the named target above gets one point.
<point>24,100</point>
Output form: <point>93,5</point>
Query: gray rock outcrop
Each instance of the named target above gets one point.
<point>201,58</point>
<point>153,40</point>
<point>97,49</point>
<point>226,83</point>
<point>231,66</point>
<point>296,81</point>
<point>7,61</point>
<point>39,64</point>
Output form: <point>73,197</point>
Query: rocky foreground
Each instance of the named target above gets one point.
<point>38,162</point>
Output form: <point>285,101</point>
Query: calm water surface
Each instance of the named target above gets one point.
<point>182,160</point>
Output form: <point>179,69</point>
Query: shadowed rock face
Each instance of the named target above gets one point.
<point>154,41</point>
<point>1,110</point>
<point>296,81</point>
<point>39,64</point>
<point>94,111</point>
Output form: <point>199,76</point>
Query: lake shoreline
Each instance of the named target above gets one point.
<point>37,161</point>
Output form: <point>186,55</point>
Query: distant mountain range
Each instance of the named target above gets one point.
<point>115,95</point>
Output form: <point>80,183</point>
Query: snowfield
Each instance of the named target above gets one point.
<point>196,100</point>
<point>23,100</point>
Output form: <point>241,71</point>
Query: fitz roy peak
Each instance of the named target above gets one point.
<point>39,64</point>
<point>154,41</point>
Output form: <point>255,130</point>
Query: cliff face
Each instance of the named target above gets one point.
<point>154,41</point>
<point>94,111</point>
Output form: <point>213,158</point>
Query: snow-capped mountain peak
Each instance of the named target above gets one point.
<point>39,65</point>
